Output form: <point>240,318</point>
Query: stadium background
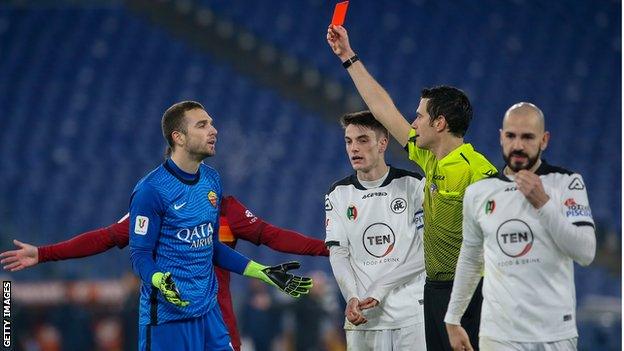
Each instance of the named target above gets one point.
<point>83,85</point>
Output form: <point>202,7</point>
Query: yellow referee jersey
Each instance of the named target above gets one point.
<point>446,182</point>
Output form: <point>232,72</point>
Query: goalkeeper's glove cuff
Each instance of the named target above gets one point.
<point>256,270</point>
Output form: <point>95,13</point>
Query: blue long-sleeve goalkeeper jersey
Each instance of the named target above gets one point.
<point>174,218</point>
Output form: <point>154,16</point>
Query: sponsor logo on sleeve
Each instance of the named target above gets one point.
<point>398,205</point>
<point>141,223</point>
<point>419,219</point>
<point>433,188</point>
<point>574,209</point>
<point>252,217</point>
<point>576,184</point>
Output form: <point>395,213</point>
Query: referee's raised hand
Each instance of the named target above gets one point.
<point>338,40</point>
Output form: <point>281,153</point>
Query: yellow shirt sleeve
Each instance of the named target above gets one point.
<point>483,169</point>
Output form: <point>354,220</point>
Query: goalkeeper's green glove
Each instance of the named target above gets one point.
<point>279,277</point>
<point>164,282</point>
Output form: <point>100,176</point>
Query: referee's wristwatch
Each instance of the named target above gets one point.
<point>350,61</point>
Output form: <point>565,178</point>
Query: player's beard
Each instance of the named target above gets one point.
<point>531,161</point>
<point>199,153</point>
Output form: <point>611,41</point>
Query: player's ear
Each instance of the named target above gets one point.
<point>440,123</point>
<point>383,143</point>
<point>178,137</point>
<point>545,139</point>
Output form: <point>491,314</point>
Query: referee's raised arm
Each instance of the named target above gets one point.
<point>374,95</point>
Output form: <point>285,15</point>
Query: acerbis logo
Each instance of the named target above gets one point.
<point>576,184</point>
<point>378,193</point>
<point>515,238</point>
<point>398,205</point>
<point>328,204</point>
<point>378,239</point>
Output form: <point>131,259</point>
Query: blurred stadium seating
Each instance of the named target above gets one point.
<point>82,89</point>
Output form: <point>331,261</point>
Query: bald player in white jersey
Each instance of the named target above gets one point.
<point>523,229</point>
<point>374,234</point>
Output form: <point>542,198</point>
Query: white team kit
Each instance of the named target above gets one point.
<point>381,227</point>
<point>528,289</point>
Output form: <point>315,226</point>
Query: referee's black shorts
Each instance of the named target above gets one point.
<point>437,296</point>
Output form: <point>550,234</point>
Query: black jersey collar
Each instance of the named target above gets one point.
<point>182,176</point>
<point>544,169</point>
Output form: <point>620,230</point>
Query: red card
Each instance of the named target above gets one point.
<point>340,11</point>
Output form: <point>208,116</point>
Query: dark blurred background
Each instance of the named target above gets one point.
<point>83,85</point>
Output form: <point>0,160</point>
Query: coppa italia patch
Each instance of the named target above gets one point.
<point>576,210</point>
<point>352,212</point>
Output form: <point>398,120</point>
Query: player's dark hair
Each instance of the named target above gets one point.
<point>173,120</point>
<point>453,104</point>
<point>366,119</point>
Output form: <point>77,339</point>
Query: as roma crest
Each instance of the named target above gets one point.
<point>212,196</point>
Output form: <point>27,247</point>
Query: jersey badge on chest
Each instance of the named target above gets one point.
<point>398,205</point>
<point>212,197</point>
<point>351,213</point>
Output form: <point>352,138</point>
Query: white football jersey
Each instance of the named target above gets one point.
<point>528,289</point>
<point>380,227</point>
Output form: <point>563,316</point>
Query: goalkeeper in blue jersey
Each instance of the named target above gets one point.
<point>174,218</point>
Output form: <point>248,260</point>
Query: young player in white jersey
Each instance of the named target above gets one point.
<point>524,228</point>
<point>374,222</point>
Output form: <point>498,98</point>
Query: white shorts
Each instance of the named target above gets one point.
<point>487,344</point>
<point>408,338</point>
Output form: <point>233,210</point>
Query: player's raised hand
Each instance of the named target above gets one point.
<point>367,303</point>
<point>458,338</point>
<point>338,40</point>
<point>354,313</point>
<point>26,256</point>
<point>531,186</point>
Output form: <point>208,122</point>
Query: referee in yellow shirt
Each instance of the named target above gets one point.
<point>435,141</point>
